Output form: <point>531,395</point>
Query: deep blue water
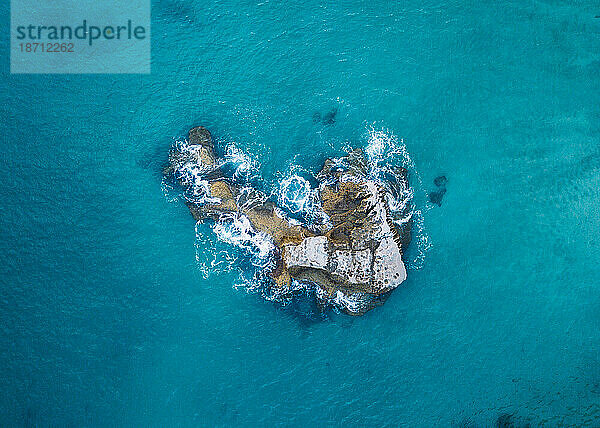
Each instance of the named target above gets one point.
<point>107,319</point>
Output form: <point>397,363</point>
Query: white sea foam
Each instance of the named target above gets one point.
<point>384,150</point>
<point>294,193</point>
<point>246,168</point>
<point>350,302</point>
<point>191,174</point>
<point>236,229</point>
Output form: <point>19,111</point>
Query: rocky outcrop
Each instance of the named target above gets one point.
<point>353,261</point>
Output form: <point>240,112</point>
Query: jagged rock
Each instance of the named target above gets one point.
<point>352,262</point>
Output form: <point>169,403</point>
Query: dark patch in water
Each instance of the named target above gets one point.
<point>505,420</point>
<point>329,118</point>
<point>508,420</point>
<point>436,196</point>
<point>326,119</point>
<point>303,307</point>
<point>440,181</point>
<point>153,160</point>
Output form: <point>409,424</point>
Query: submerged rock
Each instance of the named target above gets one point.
<point>440,181</point>
<point>326,119</point>
<point>436,196</point>
<point>329,117</point>
<point>352,259</point>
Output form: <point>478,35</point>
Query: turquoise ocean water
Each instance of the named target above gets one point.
<point>107,316</point>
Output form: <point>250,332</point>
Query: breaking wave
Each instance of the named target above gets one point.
<point>245,168</point>
<point>235,229</point>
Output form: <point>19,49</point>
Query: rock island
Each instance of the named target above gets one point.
<point>353,260</point>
